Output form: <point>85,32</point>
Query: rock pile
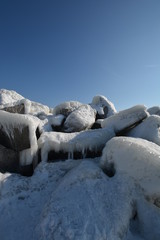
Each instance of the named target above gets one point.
<point>30,130</point>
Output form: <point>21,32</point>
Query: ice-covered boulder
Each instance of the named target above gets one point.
<point>103,106</point>
<point>18,132</point>
<point>137,158</point>
<point>154,110</point>
<point>125,119</point>
<point>80,119</point>
<point>13,102</point>
<point>66,108</point>
<point>87,205</point>
<point>9,96</point>
<point>149,129</point>
<point>56,145</point>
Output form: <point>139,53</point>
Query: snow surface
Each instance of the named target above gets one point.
<point>56,120</point>
<point>99,102</point>
<point>138,158</point>
<point>80,119</point>
<point>72,142</point>
<point>75,200</point>
<point>125,118</point>
<point>10,121</point>
<point>149,129</point>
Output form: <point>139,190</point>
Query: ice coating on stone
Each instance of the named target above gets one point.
<point>66,108</point>
<point>125,118</point>
<point>100,102</point>
<point>9,121</point>
<point>71,142</point>
<point>138,158</point>
<point>149,129</point>
<point>80,119</point>
<point>154,110</point>
<point>56,120</point>
<point>9,96</point>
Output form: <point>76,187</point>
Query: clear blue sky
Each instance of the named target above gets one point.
<point>53,51</point>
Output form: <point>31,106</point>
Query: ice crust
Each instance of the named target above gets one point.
<point>71,142</point>
<point>125,118</point>
<point>138,158</point>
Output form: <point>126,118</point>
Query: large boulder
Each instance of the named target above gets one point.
<point>80,119</point>
<point>18,133</point>
<point>125,119</point>
<point>103,106</point>
<point>149,129</point>
<point>66,108</point>
<point>56,145</point>
<point>137,158</point>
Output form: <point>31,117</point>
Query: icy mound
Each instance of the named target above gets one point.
<point>138,158</point>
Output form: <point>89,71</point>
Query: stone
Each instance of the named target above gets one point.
<point>66,108</point>
<point>20,108</point>
<point>9,160</point>
<point>80,119</point>
<point>126,119</point>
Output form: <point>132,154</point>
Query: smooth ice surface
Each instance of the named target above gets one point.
<point>149,129</point>
<point>125,118</point>
<point>80,119</point>
<point>100,102</point>
<point>70,142</point>
<point>138,158</point>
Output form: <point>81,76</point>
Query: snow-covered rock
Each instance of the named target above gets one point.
<point>55,145</point>
<point>9,96</point>
<point>154,110</point>
<point>103,106</point>
<point>66,108</point>
<point>149,129</point>
<point>87,205</point>
<point>13,102</point>
<point>80,119</point>
<point>18,132</point>
<point>125,119</point>
<point>137,158</point>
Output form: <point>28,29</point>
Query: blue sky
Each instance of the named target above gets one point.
<point>53,51</point>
